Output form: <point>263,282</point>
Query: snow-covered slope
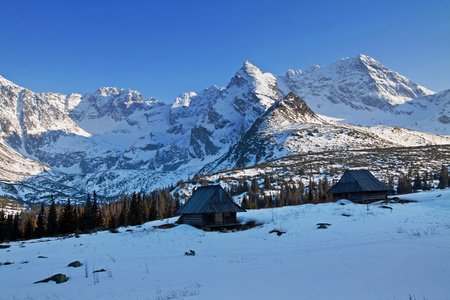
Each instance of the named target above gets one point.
<point>429,113</point>
<point>290,127</point>
<point>25,113</point>
<point>15,167</point>
<point>217,118</point>
<point>368,252</point>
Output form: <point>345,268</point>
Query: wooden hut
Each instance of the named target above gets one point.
<point>360,186</point>
<point>209,206</point>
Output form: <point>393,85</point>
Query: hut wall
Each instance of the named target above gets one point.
<point>192,219</point>
<point>374,196</point>
<point>226,218</point>
<point>208,219</point>
<point>365,197</point>
<point>229,218</point>
<point>356,197</point>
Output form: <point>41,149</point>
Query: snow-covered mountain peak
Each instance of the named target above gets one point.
<point>197,99</point>
<point>108,101</point>
<point>393,87</point>
<point>351,84</point>
<point>290,72</point>
<point>154,102</point>
<point>250,69</point>
<point>6,83</point>
<point>107,91</point>
<point>126,96</point>
<point>184,99</point>
<point>292,109</point>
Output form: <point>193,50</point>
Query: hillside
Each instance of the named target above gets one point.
<point>368,252</point>
<point>290,127</point>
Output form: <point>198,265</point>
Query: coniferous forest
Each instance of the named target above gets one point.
<point>54,220</point>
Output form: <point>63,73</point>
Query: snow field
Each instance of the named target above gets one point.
<point>373,253</point>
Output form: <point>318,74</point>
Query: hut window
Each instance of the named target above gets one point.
<point>218,218</point>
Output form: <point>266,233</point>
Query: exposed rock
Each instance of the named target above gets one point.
<point>75,264</point>
<point>58,278</point>
<point>97,271</point>
<point>323,225</point>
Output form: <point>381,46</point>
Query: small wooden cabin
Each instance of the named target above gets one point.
<point>360,186</point>
<point>209,206</point>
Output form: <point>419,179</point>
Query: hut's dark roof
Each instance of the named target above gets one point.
<point>209,199</point>
<point>354,181</point>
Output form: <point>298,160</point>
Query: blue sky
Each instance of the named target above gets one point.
<point>165,48</point>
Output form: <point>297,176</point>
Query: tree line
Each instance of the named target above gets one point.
<point>413,180</point>
<point>57,220</point>
<point>288,193</point>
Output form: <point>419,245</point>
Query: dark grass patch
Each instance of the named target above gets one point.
<point>166,226</point>
<point>278,232</point>
<point>250,224</point>
<point>397,200</point>
<point>403,201</point>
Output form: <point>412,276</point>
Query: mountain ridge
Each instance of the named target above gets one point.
<point>114,131</point>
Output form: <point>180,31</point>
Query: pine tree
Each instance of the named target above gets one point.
<point>29,228</point>
<point>425,185</point>
<point>40,229</point>
<point>67,220</point>
<point>123,220</point>
<point>443,178</point>
<point>96,213</point>
<point>143,209</point>
<point>267,201</point>
<point>152,213</point>
<point>267,182</point>
<point>326,188</point>
<point>2,226</point>
<point>417,183</point>
<point>167,210</point>
<point>52,220</point>
<point>112,223</point>
<point>8,229</point>
<point>133,213</point>
<point>16,233</point>
<point>255,186</point>
<point>404,185</point>
<point>87,222</point>
<point>298,194</point>
<point>391,181</point>
<point>244,203</point>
